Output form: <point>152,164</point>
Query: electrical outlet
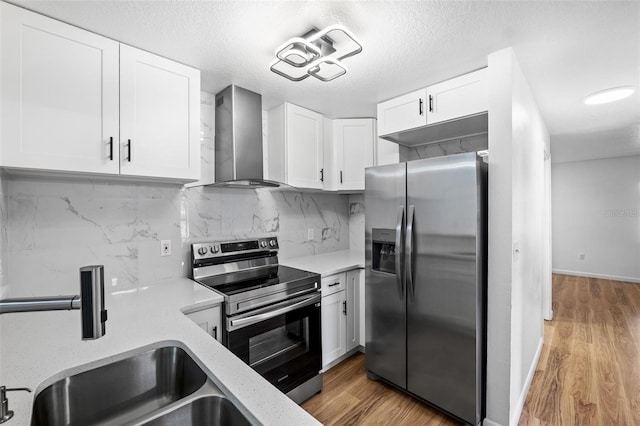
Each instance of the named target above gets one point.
<point>165,248</point>
<point>581,256</point>
<point>310,234</point>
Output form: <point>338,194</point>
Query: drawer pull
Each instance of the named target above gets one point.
<point>334,284</point>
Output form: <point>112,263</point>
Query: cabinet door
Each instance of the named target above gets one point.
<point>304,147</point>
<point>333,328</point>
<point>159,116</point>
<point>209,320</point>
<point>59,91</point>
<point>402,113</point>
<point>353,309</point>
<point>458,97</point>
<point>353,141</point>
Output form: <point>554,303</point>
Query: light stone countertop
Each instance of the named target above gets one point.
<point>38,348</point>
<point>327,263</point>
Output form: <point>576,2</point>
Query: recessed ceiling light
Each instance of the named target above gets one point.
<point>609,95</point>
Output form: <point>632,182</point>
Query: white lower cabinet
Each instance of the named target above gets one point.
<point>340,315</point>
<point>334,327</point>
<point>209,319</point>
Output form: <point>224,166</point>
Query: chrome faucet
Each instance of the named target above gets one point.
<point>90,302</point>
<point>5,413</point>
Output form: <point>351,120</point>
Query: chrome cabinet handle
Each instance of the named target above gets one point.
<point>420,110</point>
<point>129,153</point>
<point>340,176</point>
<point>344,307</point>
<point>334,284</point>
<point>409,250</point>
<point>430,103</point>
<point>321,175</point>
<point>214,332</point>
<point>111,148</point>
<point>398,256</point>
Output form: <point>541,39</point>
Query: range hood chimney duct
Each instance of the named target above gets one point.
<point>238,139</point>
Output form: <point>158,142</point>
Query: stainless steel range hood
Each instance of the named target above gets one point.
<point>238,139</point>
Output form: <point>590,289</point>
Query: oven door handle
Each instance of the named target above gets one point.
<point>244,322</point>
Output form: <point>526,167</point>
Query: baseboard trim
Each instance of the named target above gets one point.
<point>525,389</point>
<point>592,275</point>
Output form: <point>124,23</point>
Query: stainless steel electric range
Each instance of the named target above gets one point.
<point>271,312</point>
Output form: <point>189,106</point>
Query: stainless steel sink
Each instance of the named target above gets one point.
<point>133,391</point>
<point>211,410</point>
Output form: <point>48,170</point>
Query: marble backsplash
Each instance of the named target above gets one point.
<point>54,226</point>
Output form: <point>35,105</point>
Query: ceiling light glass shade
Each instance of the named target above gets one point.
<point>317,53</point>
<point>609,95</point>
<point>327,69</point>
<point>298,52</point>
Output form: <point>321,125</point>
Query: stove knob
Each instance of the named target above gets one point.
<point>272,243</point>
<point>202,251</point>
<point>263,243</point>
<point>214,249</point>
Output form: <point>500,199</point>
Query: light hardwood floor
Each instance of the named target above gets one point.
<point>349,398</point>
<point>588,374</point>
<point>589,369</point>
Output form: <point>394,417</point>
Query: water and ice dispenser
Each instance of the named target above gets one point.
<point>384,250</point>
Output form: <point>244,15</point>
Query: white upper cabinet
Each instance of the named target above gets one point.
<point>451,99</point>
<point>159,116</point>
<point>72,100</point>
<point>59,91</point>
<point>458,97</point>
<point>296,146</point>
<point>402,113</point>
<point>353,143</point>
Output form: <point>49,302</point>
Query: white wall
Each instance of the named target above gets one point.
<point>596,212</point>
<point>517,140</point>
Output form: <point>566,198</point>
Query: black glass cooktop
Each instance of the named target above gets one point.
<point>281,275</point>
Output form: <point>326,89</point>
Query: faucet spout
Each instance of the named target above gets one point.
<point>32,304</point>
<point>90,302</point>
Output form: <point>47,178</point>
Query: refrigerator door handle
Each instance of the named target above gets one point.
<point>409,251</point>
<point>398,254</point>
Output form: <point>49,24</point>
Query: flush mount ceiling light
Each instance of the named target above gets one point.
<point>316,53</point>
<point>609,95</point>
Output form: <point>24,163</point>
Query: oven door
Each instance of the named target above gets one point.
<point>282,342</point>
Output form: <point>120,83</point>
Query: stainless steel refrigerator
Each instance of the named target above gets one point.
<point>425,283</point>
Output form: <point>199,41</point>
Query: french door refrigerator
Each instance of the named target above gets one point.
<point>425,282</point>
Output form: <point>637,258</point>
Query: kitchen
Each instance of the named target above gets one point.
<point>61,222</point>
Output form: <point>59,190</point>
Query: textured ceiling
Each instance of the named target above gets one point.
<point>566,49</point>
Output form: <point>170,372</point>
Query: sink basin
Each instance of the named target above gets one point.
<point>210,410</point>
<point>120,392</point>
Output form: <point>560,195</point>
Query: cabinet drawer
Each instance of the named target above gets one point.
<point>333,283</point>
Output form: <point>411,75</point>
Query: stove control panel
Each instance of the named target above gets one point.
<point>220,249</point>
